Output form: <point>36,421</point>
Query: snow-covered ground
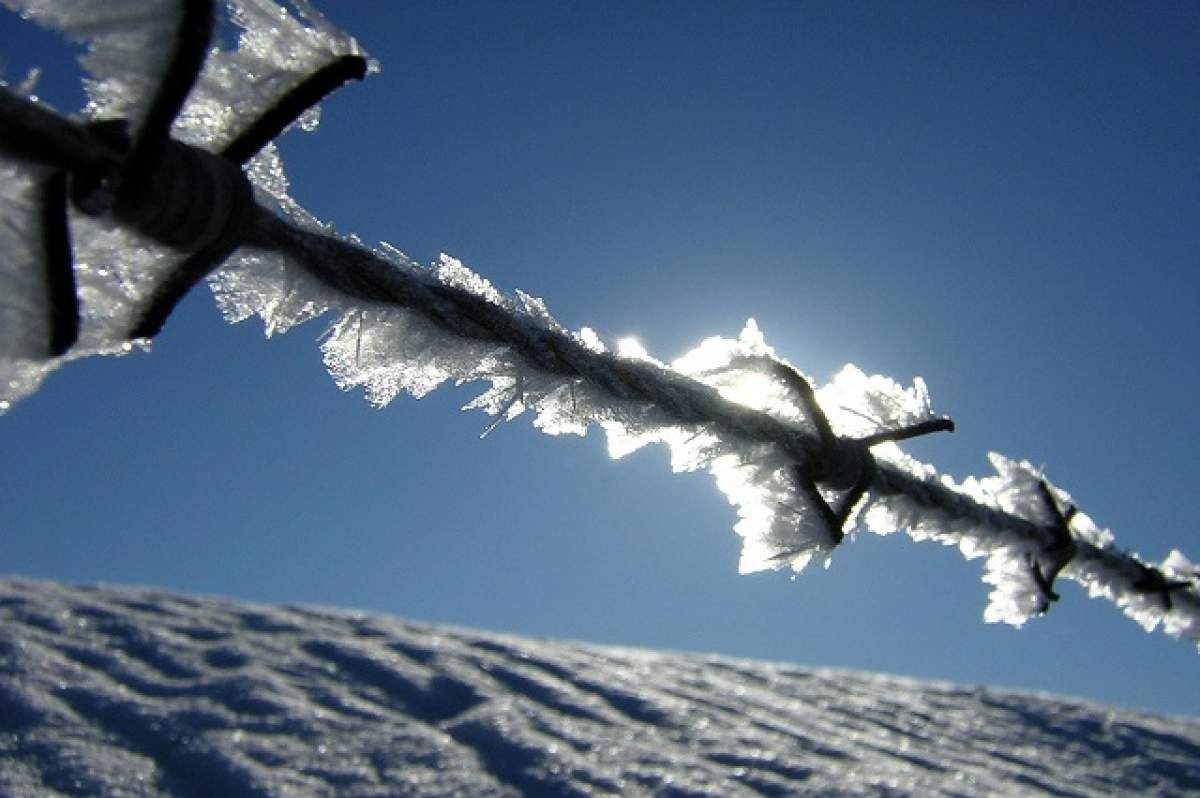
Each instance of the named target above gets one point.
<point>116,691</point>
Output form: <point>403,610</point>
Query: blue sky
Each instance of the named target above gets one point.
<point>1003,199</point>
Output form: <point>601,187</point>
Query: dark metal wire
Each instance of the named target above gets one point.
<point>32,133</point>
<point>293,104</point>
<point>59,269</point>
<point>1060,550</point>
<point>187,198</point>
<point>192,38</point>
<point>207,202</point>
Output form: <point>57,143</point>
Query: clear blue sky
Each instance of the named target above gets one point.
<point>1002,198</point>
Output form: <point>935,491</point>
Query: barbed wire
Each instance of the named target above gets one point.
<point>30,132</point>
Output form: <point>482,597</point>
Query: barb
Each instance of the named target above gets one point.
<point>191,46</point>
<point>1060,550</point>
<point>1153,582</point>
<point>33,133</point>
<point>908,433</point>
<point>844,464</point>
<point>59,271</point>
<point>184,197</point>
<point>293,104</point>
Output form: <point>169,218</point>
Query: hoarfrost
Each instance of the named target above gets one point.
<point>116,270</point>
<point>387,350</point>
<point>857,404</point>
<point>24,314</point>
<point>110,270</point>
<point>129,45</point>
<point>1015,597</point>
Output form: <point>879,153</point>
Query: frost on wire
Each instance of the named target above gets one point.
<point>387,349</point>
<point>128,43</point>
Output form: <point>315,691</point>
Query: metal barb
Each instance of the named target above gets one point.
<point>59,265</point>
<point>840,463</point>
<point>197,202</point>
<point>1060,550</point>
<point>192,38</point>
<point>1152,581</point>
<point>293,105</point>
<point>1045,582</point>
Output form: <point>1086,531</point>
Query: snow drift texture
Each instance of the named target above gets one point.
<point>122,692</point>
<point>386,350</point>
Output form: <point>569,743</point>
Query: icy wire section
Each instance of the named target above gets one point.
<point>387,350</point>
<point>1009,568</point>
<point>110,266</point>
<point>129,45</point>
<point>23,316</point>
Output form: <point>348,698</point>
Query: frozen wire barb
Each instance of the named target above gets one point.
<point>198,203</point>
<point>1153,582</point>
<point>1058,552</point>
<point>840,463</point>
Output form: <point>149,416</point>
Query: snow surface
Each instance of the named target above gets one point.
<point>121,692</point>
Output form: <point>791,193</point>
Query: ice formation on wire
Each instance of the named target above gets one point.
<point>717,408</point>
<point>128,45</point>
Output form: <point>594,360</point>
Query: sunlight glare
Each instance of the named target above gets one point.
<point>632,348</point>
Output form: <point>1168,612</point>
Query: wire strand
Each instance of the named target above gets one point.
<point>365,276</point>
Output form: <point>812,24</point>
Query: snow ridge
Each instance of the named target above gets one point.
<point>120,691</point>
<point>402,327</point>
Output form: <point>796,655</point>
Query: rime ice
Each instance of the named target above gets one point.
<point>116,269</point>
<point>712,398</point>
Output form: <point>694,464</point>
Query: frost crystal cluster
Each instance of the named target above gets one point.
<point>397,326</point>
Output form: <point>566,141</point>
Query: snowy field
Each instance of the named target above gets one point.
<point>116,691</point>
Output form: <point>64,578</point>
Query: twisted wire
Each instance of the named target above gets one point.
<point>365,276</point>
